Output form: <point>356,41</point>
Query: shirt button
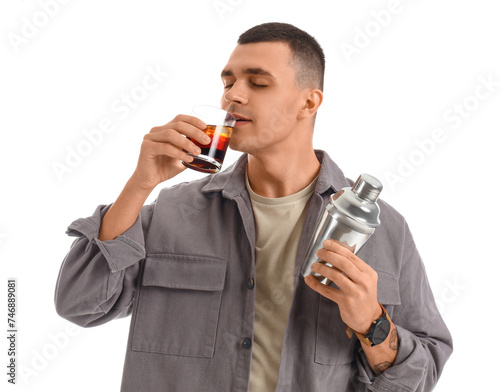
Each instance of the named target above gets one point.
<point>246,343</point>
<point>250,283</point>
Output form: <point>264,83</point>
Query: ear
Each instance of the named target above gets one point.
<point>311,103</point>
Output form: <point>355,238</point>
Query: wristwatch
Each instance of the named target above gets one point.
<point>378,332</point>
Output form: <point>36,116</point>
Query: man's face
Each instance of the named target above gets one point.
<point>260,86</point>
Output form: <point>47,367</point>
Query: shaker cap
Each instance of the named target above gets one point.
<point>367,187</point>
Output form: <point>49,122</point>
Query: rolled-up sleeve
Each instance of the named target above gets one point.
<point>425,343</point>
<point>97,279</point>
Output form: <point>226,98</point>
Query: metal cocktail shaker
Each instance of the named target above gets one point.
<point>350,217</point>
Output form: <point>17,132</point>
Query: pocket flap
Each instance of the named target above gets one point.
<point>388,289</point>
<point>185,272</point>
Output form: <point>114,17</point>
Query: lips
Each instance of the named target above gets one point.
<point>241,120</point>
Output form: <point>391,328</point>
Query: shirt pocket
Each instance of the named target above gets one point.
<point>178,305</point>
<point>333,347</point>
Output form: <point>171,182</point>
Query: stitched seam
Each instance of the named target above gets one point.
<point>394,387</point>
<point>185,257</point>
<point>408,258</point>
<point>131,242</point>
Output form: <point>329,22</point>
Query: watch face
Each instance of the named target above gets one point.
<point>381,331</point>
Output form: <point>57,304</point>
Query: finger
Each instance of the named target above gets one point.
<point>335,275</point>
<point>326,291</point>
<point>190,126</point>
<point>170,136</point>
<point>155,149</point>
<point>336,247</point>
<point>341,262</point>
<point>194,121</point>
<point>183,129</point>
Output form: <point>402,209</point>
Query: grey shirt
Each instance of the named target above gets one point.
<point>184,271</point>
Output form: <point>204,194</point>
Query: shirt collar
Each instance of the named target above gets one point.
<point>232,180</point>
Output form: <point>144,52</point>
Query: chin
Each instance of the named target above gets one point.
<point>240,147</point>
<point>235,143</point>
<point>236,147</point>
<point>244,143</point>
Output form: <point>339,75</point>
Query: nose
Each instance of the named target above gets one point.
<point>236,94</point>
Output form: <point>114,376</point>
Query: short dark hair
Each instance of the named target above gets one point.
<point>307,55</point>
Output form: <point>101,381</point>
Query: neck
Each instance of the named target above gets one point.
<point>275,175</point>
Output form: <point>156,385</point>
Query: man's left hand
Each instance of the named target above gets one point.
<point>356,295</point>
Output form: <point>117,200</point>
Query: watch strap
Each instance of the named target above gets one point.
<point>362,338</point>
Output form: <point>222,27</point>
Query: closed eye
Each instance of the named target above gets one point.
<point>253,84</point>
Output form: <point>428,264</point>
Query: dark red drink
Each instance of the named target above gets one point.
<point>212,154</point>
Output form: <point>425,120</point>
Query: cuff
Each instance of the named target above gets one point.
<point>405,375</point>
<point>121,252</point>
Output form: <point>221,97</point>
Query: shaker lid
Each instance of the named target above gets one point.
<point>367,187</point>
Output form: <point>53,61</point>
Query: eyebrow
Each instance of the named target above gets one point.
<point>252,71</point>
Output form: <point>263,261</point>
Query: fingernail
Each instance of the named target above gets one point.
<point>206,139</point>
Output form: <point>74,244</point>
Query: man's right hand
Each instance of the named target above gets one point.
<point>160,159</point>
<point>163,149</point>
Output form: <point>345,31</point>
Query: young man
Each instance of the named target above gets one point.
<point>210,270</point>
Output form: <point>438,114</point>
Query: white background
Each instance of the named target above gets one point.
<point>64,69</point>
